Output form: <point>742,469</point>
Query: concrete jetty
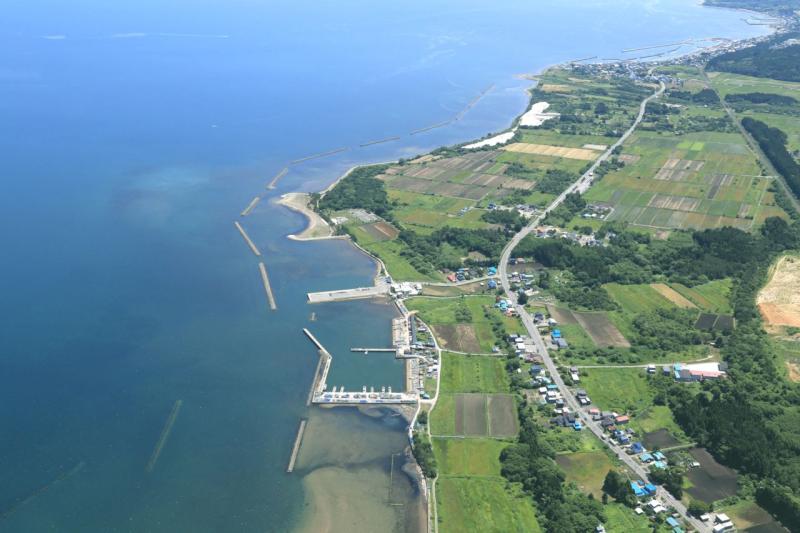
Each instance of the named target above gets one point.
<point>278,176</point>
<point>317,156</point>
<point>379,350</point>
<point>379,141</point>
<point>247,239</point>
<point>296,448</point>
<point>348,294</point>
<point>267,287</point>
<point>162,440</point>
<point>253,203</point>
<point>432,127</point>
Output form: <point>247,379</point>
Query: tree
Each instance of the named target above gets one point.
<point>698,508</point>
<point>522,298</point>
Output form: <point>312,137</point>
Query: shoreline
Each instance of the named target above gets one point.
<point>317,228</point>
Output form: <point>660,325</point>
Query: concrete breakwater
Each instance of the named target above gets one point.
<point>267,287</point>
<point>249,242</point>
<point>278,176</point>
<point>162,440</point>
<point>252,205</point>
<point>296,448</point>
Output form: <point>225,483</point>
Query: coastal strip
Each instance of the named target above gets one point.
<point>247,239</point>
<point>41,490</point>
<point>173,415</point>
<point>267,287</point>
<point>278,176</point>
<point>431,127</point>
<point>250,206</point>
<point>317,156</point>
<point>379,141</point>
<point>317,228</point>
<point>296,448</point>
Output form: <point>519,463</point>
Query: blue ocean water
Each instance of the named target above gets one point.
<point>132,135</point>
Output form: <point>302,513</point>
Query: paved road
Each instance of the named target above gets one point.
<point>583,183</point>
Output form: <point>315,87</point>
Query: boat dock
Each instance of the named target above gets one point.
<point>267,286</point>
<point>319,395</point>
<point>348,294</point>
<point>296,448</point>
<point>252,205</point>
<point>247,239</point>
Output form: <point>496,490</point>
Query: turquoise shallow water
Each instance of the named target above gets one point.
<point>132,135</point>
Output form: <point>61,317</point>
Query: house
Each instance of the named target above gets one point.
<point>451,278</point>
<point>672,522</point>
<point>622,419</point>
<point>492,284</point>
<point>535,370</point>
<point>637,447</point>
<point>721,528</point>
<point>646,457</point>
<point>556,334</point>
<point>580,393</point>
<point>721,518</point>
<point>561,344</point>
<point>577,426</point>
<point>638,490</point>
<point>659,456</point>
<point>594,411</point>
<point>661,465</point>
<point>538,317</point>
<point>698,371</point>
<point>649,488</point>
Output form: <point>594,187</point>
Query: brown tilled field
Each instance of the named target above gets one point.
<point>502,416</point>
<point>672,295</point>
<point>561,315</point>
<point>779,300</point>
<point>471,415</point>
<point>458,337</point>
<point>602,331</point>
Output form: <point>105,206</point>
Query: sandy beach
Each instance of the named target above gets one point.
<point>317,227</point>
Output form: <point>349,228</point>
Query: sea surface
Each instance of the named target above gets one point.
<point>144,384</point>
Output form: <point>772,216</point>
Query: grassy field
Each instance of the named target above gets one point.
<point>442,312</point>
<point>586,469</point>
<point>713,296</point>
<point>658,417</point>
<point>389,252</point>
<point>637,299</point>
<point>468,457</point>
<point>576,337</point>
<point>620,519</point>
<point>483,504</point>
<point>618,389</point>
<point>443,416</point>
<point>462,373</point>
<point>788,352</point>
<point>425,213</point>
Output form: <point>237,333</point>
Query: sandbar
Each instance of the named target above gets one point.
<point>318,227</point>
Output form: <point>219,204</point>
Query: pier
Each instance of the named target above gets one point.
<point>296,448</point>
<point>348,294</point>
<point>278,176</point>
<point>250,206</point>
<point>247,239</point>
<point>379,350</point>
<point>267,287</point>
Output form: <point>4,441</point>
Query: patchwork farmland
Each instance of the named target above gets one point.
<point>691,181</point>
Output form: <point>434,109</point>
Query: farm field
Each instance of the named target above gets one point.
<point>711,481</point>
<point>468,457</point>
<point>475,415</point>
<point>618,389</point>
<point>637,299</point>
<point>425,213</point>
<point>747,514</point>
<point>473,336</point>
<point>713,296</point>
<point>690,181</point>
<point>587,329</point>
<point>727,83</point>
<point>479,373</point>
<point>586,469</point>
<point>483,504</point>
<point>658,417</point>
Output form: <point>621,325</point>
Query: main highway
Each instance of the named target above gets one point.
<point>580,186</point>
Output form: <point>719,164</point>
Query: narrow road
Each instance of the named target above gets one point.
<point>580,186</point>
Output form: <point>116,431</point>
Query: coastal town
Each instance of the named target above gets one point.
<point>569,363</point>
